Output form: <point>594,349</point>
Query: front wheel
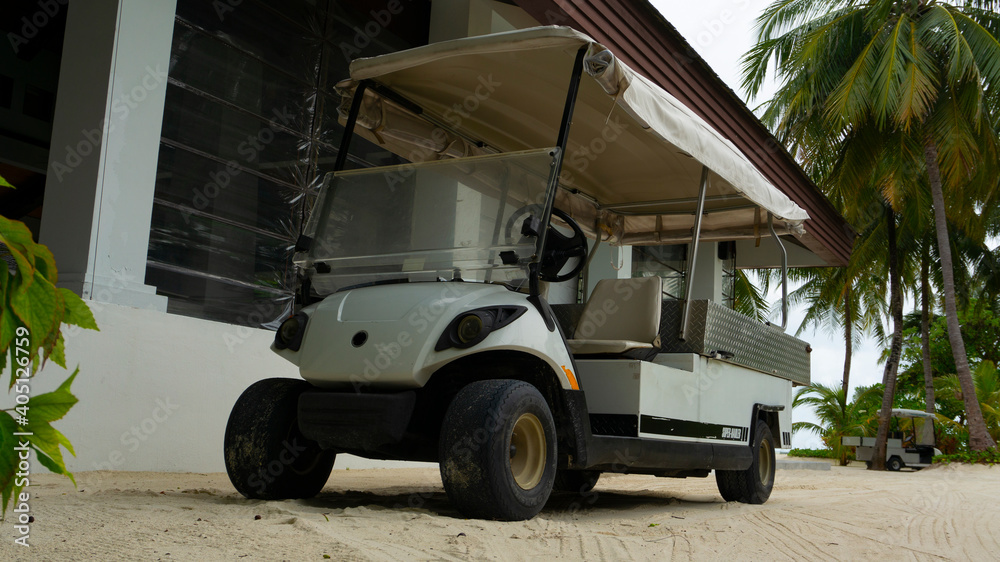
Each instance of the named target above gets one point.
<point>267,458</point>
<point>754,484</point>
<point>498,450</point>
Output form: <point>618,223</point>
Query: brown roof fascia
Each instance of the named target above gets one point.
<point>647,42</point>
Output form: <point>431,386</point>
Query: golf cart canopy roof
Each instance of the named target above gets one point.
<point>635,156</point>
<point>905,413</point>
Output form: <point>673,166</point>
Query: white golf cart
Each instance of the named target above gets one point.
<point>428,329</point>
<point>910,443</point>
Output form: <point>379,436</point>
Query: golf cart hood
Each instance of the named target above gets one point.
<point>635,155</point>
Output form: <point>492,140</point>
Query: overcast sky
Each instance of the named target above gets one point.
<point>721,31</point>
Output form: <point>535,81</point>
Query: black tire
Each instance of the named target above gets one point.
<point>480,467</point>
<point>576,481</point>
<point>754,484</point>
<point>894,464</point>
<point>267,458</point>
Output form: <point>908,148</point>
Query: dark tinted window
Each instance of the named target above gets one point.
<point>249,129</point>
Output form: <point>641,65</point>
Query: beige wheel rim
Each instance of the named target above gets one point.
<point>764,461</point>
<point>527,451</point>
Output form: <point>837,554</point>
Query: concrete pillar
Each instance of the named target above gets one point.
<point>707,280</point>
<point>105,143</point>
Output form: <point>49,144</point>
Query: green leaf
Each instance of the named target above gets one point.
<point>48,439</point>
<point>8,322</point>
<point>52,406</point>
<point>8,460</point>
<point>77,311</point>
<point>58,353</point>
<point>53,466</point>
<point>45,262</point>
<point>5,183</point>
<point>40,308</point>
<point>16,236</point>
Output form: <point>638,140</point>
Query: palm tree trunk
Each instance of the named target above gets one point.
<point>892,365</point>
<point>925,326</point>
<point>848,340</point>
<point>979,437</point>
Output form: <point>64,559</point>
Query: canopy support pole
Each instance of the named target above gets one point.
<point>304,243</point>
<point>352,119</point>
<point>784,271</point>
<point>553,185</point>
<point>693,255</point>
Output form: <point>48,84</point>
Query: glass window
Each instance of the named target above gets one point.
<point>250,128</point>
<point>668,262</point>
<point>727,253</point>
<point>450,219</point>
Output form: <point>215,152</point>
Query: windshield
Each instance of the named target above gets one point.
<point>456,218</point>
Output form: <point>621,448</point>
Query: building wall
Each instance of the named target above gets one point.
<point>155,389</point>
<point>157,382</point>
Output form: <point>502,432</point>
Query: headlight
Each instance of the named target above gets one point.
<point>472,327</point>
<point>469,328</point>
<point>290,332</point>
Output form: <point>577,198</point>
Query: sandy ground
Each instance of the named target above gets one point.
<point>403,514</point>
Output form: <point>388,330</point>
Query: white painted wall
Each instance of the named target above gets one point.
<point>155,390</point>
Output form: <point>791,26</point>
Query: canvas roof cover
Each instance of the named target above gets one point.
<point>635,153</point>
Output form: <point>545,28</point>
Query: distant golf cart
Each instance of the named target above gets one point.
<point>426,327</point>
<point>910,444</point>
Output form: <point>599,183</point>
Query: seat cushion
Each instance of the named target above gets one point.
<point>622,310</point>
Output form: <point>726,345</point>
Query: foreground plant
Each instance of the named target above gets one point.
<point>31,318</point>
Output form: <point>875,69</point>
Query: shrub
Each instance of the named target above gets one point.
<point>813,453</point>
<point>989,456</point>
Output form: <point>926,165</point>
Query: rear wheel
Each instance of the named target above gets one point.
<point>754,484</point>
<point>894,464</point>
<point>498,450</point>
<point>267,457</point>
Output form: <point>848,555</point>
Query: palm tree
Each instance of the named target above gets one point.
<point>748,299</point>
<point>847,301</point>
<point>925,325</point>
<point>902,92</point>
<point>837,416</point>
<point>987,380</point>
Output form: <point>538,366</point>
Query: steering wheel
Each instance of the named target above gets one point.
<point>559,248</point>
